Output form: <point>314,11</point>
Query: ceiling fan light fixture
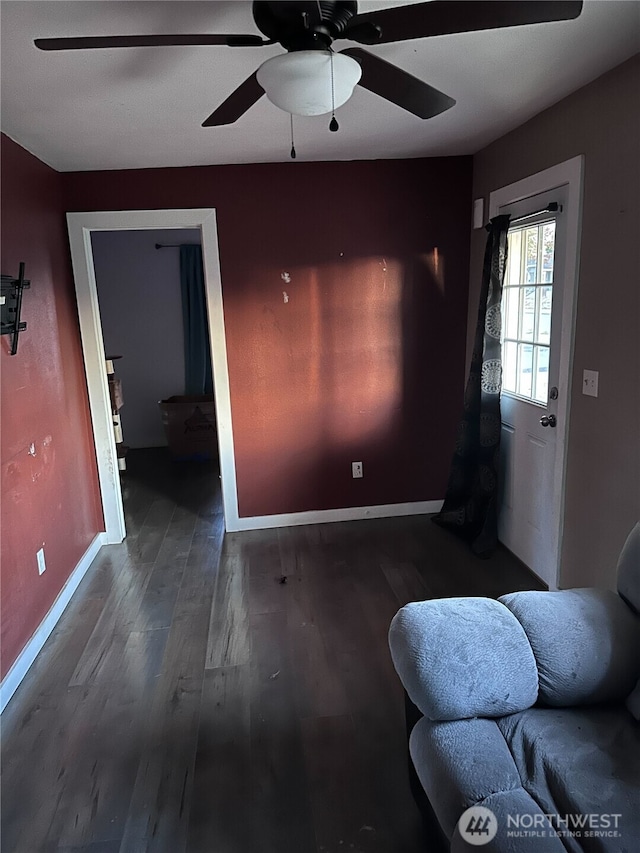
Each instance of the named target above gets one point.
<point>300,82</point>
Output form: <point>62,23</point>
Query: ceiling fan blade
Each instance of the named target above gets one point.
<point>399,87</point>
<point>93,42</point>
<point>443,17</point>
<point>237,104</point>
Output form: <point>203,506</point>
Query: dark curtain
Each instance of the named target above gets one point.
<point>197,351</point>
<point>470,508</point>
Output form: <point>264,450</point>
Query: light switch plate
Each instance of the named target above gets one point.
<point>590,383</point>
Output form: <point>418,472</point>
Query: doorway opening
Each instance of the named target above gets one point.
<point>164,417</point>
<point>81,228</point>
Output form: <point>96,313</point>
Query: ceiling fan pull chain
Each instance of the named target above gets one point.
<point>293,148</point>
<point>333,124</point>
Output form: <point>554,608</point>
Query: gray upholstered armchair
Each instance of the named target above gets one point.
<point>530,708</point>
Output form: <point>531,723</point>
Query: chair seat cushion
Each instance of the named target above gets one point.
<point>459,763</point>
<point>581,765</point>
<point>581,762</point>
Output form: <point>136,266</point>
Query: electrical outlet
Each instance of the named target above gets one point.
<point>356,470</point>
<point>42,566</point>
<point>590,383</point>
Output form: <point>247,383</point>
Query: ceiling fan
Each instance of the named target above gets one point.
<point>311,78</point>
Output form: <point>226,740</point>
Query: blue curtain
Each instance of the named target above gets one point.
<point>197,352</point>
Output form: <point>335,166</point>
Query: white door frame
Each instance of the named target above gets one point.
<point>80,226</point>
<point>569,174</point>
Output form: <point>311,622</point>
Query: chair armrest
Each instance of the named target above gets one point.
<point>586,643</point>
<point>463,657</point>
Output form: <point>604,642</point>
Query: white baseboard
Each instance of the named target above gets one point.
<point>357,513</point>
<point>12,679</point>
<point>27,656</point>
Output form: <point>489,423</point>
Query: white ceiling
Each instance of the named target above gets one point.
<point>143,107</point>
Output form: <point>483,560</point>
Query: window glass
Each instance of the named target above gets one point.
<point>515,258</point>
<point>544,315</point>
<point>531,242</point>
<point>511,312</point>
<point>509,366</point>
<point>525,370</point>
<point>541,374</point>
<point>528,314</point>
<point>526,309</point>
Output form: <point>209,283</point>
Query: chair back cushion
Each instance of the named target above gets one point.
<point>463,657</point>
<point>629,569</point>
<point>586,643</point>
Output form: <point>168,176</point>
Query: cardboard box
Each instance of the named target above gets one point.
<point>190,426</point>
<point>115,393</point>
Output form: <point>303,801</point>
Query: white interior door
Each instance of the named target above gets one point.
<point>537,332</point>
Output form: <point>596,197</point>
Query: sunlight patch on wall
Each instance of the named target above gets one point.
<point>434,262</point>
<point>333,349</point>
<point>363,371</point>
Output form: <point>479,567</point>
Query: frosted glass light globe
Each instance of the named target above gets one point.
<point>300,82</point>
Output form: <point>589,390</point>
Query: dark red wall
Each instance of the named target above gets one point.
<point>365,361</point>
<point>362,360</point>
<point>50,490</point>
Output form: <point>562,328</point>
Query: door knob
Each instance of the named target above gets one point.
<point>548,420</point>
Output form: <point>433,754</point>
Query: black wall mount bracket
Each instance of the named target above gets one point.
<point>11,306</point>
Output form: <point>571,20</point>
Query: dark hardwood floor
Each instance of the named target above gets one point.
<point>205,693</point>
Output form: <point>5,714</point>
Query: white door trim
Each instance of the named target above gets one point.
<point>80,227</point>
<point>569,174</point>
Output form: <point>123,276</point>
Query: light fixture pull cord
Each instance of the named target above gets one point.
<point>293,148</point>
<point>333,124</point>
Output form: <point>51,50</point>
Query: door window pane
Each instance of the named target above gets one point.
<point>541,374</point>
<point>514,261</point>
<point>509,366</point>
<point>548,250</point>
<point>544,315</point>
<point>528,314</point>
<point>531,242</point>
<point>525,369</point>
<point>511,312</point>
